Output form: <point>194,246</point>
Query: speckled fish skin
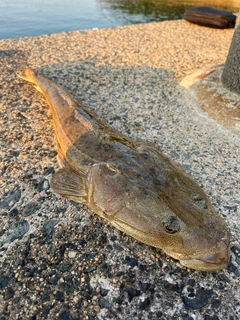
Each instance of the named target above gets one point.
<point>131,184</point>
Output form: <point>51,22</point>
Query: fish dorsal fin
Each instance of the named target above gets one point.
<point>70,184</point>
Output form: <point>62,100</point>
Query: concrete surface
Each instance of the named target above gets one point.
<point>59,260</point>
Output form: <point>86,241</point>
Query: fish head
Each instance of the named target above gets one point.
<point>197,235</point>
<point>171,212</point>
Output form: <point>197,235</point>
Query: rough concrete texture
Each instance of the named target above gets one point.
<point>58,259</point>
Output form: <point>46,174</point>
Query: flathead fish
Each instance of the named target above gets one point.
<point>139,190</point>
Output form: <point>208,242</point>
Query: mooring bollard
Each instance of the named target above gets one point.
<point>217,88</point>
<point>231,72</point>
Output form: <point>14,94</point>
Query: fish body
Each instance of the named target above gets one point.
<point>138,189</point>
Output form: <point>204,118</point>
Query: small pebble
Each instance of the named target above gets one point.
<point>72,254</point>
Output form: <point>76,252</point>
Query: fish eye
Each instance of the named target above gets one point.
<point>171,224</point>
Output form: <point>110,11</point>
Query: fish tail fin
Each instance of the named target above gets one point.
<point>28,74</point>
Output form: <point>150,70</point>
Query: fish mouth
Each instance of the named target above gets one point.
<point>213,262</point>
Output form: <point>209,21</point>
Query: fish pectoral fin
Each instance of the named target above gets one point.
<point>70,184</point>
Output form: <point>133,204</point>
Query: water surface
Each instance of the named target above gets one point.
<point>19,18</point>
